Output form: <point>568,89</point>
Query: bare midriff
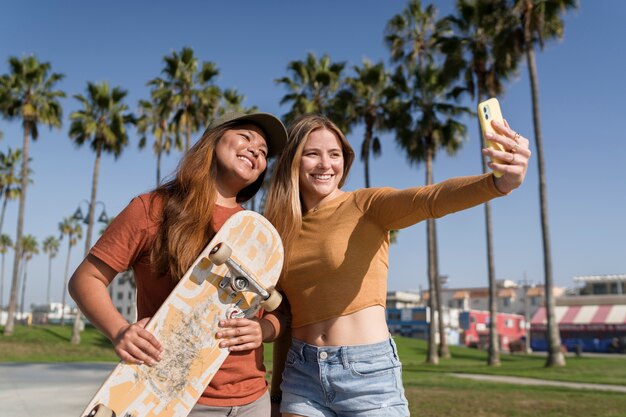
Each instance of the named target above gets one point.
<point>363,327</point>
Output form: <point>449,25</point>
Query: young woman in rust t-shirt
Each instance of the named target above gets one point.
<point>159,235</point>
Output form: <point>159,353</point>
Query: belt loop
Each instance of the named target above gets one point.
<point>299,348</point>
<point>344,357</point>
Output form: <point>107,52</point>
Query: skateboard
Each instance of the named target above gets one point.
<point>234,276</point>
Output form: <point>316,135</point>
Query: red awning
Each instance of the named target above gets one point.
<point>593,317</point>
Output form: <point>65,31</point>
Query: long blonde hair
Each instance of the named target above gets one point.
<point>283,205</point>
<point>188,204</point>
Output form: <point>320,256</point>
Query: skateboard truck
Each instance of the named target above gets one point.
<point>240,280</point>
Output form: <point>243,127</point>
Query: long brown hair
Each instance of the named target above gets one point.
<point>283,206</point>
<point>188,204</point>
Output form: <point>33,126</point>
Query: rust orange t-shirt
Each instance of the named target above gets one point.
<point>126,244</point>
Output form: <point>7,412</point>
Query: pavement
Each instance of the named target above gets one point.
<point>49,389</point>
<point>64,389</point>
<point>542,382</point>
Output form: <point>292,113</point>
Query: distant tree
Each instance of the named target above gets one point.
<point>71,228</point>
<point>30,96</point>
<point>541,20</point>
<point>189,91</point>
<point>364,99</point>
<point>9,182</point>
<point>30,248</point>
<point>312,86</point>
<point>51,248</point>
<point>482,53</point>
<point>101,123</point>
<point>5,244</point>
<point>154,119</point>
<point>232,101</point>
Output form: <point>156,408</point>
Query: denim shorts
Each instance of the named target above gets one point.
<point>363,380</point>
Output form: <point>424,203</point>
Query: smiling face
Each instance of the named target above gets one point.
<point>321,168</point>
<point>241,158</point>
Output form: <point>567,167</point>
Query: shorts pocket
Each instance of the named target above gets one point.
<point>292,358</point>
<point>374,366</point>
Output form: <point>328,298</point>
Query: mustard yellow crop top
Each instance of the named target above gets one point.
<point>338,264</point>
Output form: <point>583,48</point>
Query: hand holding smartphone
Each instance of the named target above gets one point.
<point>489,110</point>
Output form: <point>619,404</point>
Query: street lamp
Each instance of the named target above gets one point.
<point>78,214</point>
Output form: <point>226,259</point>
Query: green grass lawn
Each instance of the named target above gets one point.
<point>51,343</point>
<point>431,391</point>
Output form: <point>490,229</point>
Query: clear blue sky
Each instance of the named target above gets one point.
<point>582,109</point>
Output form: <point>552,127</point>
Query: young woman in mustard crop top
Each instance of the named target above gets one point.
<point>342,360</point>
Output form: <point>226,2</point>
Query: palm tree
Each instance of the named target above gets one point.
<point>101,123</point>
<point>188,91</point>
<point>70,227</point>
<point>412,38</point>
<point>479,52</point>
<point>154,118</point>
<point>312,87</point>
<point>232,101</point>
<point>30,247</point>
<point>9,182</point>
<point>541,20</point>
<point>5,244</point>
<point>431,125</point>
<point>51,247</point>
<point>364,99</point>
<point>31,96</point>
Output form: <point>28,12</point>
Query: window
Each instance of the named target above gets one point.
<point>120,295</point>
<point>598,289</point>
<point>393,316</point>
<point>506,302</point>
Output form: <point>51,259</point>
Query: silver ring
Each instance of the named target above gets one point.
<point>512,159</point>
<point>515,148</point>
<point>516,137</point>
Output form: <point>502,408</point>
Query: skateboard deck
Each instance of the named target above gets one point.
<point>186,324</point>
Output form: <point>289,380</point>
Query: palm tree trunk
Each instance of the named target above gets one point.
<point>23,290</point>
<point>188,137</point>
<point>555,356</point>
<point>2,285</point>
<point>158,173</point>
<point>433,358</point>
<point>493,357</point>
<point>4,209</point>
<point>92,209</point>
<point>365,151</point>
<point>444,351</point>
<point>67,270</point>
<point>49,279</point>
<point>10,325</point>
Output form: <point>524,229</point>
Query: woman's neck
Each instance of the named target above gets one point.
<point>312,204</point>
<point>226,201</point>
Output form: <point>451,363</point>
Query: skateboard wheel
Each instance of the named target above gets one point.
<point>220,253</point>
<point>101,411</point>
<point>272,302</point>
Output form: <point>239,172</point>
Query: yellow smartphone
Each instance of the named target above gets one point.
<point>489,110</point>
